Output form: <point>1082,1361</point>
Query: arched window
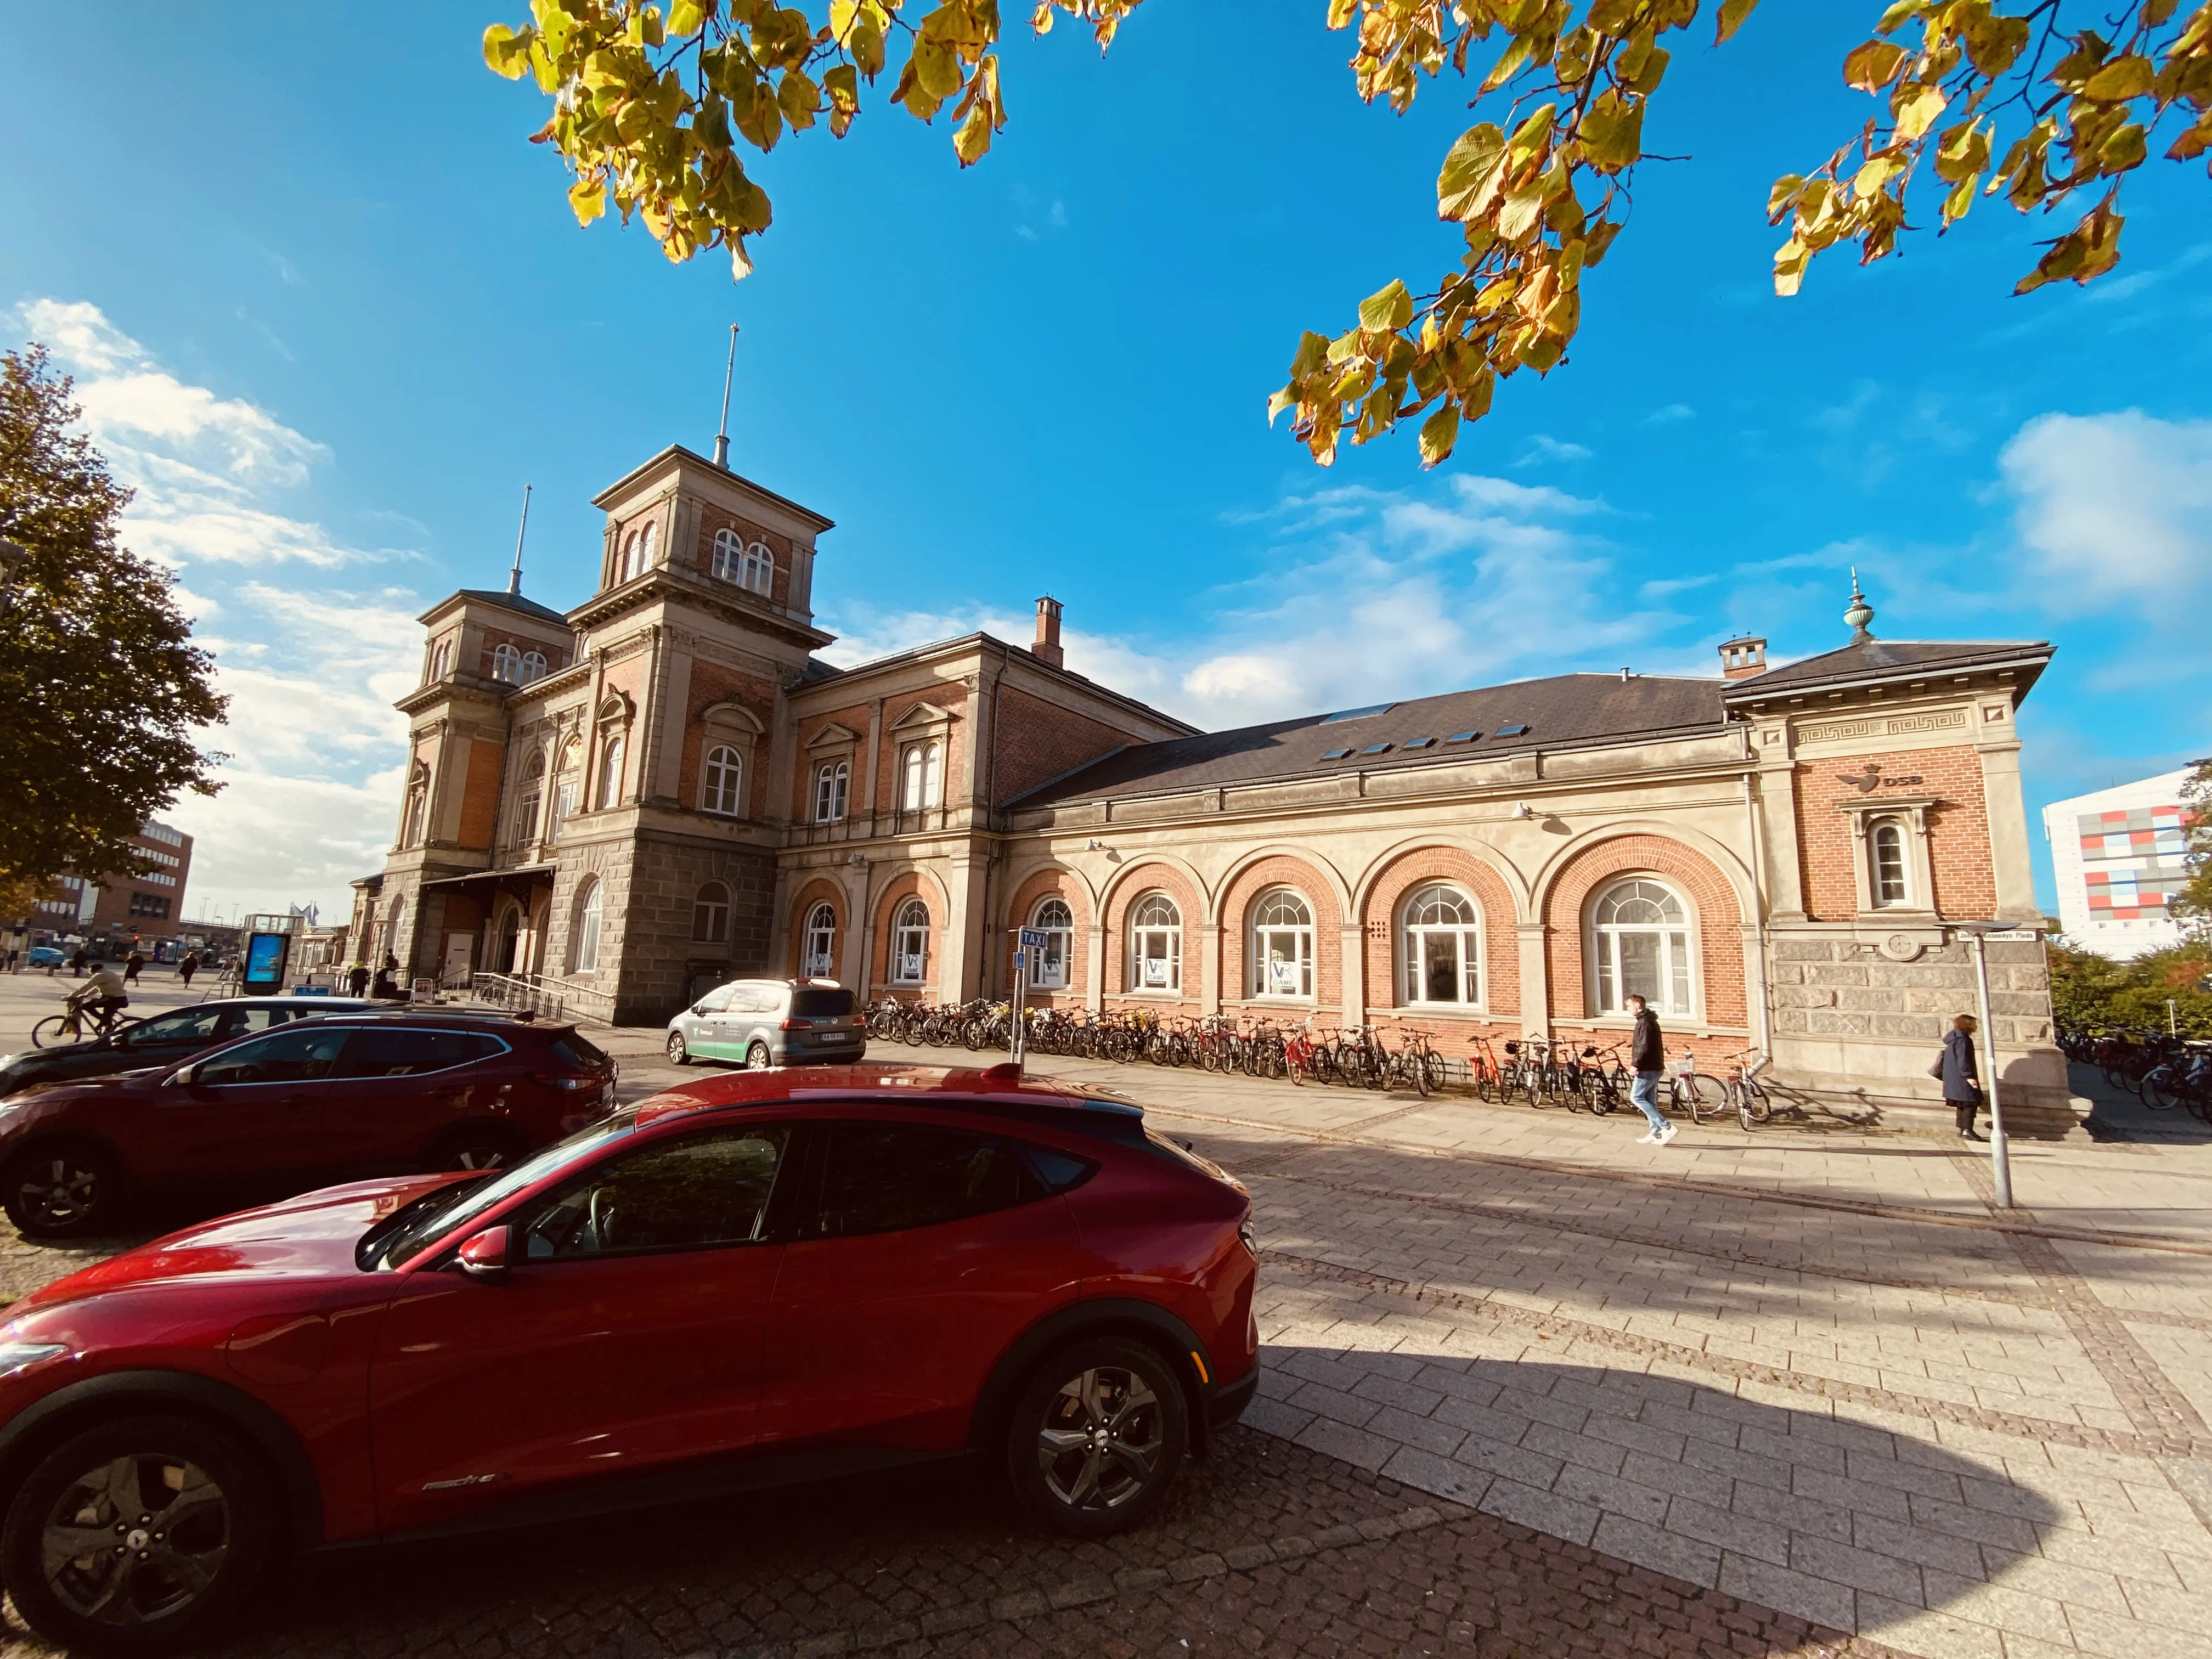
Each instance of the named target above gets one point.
<point>832,783</point>
<point>910,943</point>
<point>922,775</point>
<point>721,783</point>
<point>710,915</point>
<point>817,957</point>
<point>1282,945</point>
<point>637,554</point>
<point>1155,944</point>
<point>510,940</point>
<point>584,941</point>
<point>1443,947</point>
<point>729,550</point>
<point>1641,947</point>
<point>506,665</point>
<point>418,805</point>
<point>529,799</point>
<point>392,920</point>
<point>610,770</point>
<point>442,659</point>
<point>533,668</point>
<point>1057,923</point>
<point>1888,862</point>
<point>757,570</point>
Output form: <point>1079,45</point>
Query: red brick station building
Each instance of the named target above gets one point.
<point>665,787</point>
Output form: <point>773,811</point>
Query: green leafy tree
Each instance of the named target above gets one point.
<point>101,688</point>
<point>2192,906</point>
<point>2094,992</point>
<point>2043,102</point>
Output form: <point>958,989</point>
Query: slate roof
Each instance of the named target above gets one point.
<point>1560,712</point>
<point>1882,659</point>
<point>513,602</point>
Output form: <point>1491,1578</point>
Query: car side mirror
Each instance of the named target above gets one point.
<point>182,1077</point>
<point>485,1257</point>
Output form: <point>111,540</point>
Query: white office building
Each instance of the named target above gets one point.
<point>2118,856</point>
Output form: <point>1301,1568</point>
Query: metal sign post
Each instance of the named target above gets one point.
<point>1032,939</point>
<point>2000,1152</point>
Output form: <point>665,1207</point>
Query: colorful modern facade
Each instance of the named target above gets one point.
<point>2119,855</point>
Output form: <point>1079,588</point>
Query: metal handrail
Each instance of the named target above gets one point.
<point>543,993</point>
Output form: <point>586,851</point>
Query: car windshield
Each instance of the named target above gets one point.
<point>400,1234</point>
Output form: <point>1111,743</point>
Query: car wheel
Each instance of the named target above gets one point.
<point>757,1055</point>
<point>1096,1437</point>
<point>478,1146</point>
<point>61,1191</point>
<point>138,1537</point>
<point>678,1054</point>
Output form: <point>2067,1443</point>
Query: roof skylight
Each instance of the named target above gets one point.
<point>1357,713</point>
<point>1512,730</point>
<point>1336,753</point>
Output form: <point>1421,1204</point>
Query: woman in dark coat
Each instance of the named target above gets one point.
<point>1962,1083</point>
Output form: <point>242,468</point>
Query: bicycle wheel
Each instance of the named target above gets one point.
<point>1752,1106</point>
<point>55,1031</point>
<point>1597,1091</point>
<point>2162,1090</point>
<point>1704,1096</point>
<point>1432,1074</point>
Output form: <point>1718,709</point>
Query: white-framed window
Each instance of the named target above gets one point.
<point>1155,944</point>
<point>442,659</point>
<point>1056,922</point>
<point>921,775</point>
<point>609,792</point>
<point>750,566</point>
<point>817,957</point>
<point>710,915</point>
<point>584,943</point>
<point>1641,945</point>
<point>721,781</point>
<point>1885,863</point>
<point>529,799</point>
<point>910,943</point>
<point>1282,945</point>
<point>637,553</point>
<point>833,782</point>
<point>532,669</point>
<point>1443,946</point>
<point>507,663</point>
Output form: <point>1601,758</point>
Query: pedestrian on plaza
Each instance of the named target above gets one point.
<point>188,966</point>
<point>357,976</point>
<point>1962,1083</point>
<point>131,964</point>
<point>388,979</point>
<point>1647,1058</point>
<point>77,959</point>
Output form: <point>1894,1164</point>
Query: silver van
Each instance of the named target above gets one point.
<point>772,1022</point>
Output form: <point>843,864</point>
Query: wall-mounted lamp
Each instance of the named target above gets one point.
<point>1522,810</point>
<point>1096,846</point>
<point>854,858</point>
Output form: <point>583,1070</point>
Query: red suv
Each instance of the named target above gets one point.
<point>313,1102</point>
<point>740,1283</point>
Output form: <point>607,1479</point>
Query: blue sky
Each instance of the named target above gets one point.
<point>330,313</point>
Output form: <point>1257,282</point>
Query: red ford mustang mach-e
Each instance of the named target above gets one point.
<point>743,1281</point>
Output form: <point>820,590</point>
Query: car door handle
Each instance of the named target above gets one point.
<point>295,1100</point>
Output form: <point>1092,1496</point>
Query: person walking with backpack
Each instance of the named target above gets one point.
<point>1962,1081</point>
<point>1647,1058</point>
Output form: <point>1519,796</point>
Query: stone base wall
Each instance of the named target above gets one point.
<point>658,964</point>
<point>1856,1027</point>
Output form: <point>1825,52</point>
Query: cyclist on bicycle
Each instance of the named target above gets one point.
<point>102,996</point>
<point>1647,1058</point>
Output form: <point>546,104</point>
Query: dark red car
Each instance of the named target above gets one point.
<point>746,1281</point>
<point>315,1101</point>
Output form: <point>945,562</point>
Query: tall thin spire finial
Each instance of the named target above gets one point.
<point>515,576</point>
<point>722,435</point>
<point>1859,613</point>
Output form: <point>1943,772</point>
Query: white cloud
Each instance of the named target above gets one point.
<point>1542,446</point>
<point>2115,506</point>
<point>313,746</point>
<point>1668,414</point>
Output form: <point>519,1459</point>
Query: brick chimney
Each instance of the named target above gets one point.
<point>1742,658</point>
<point>1046,646</point>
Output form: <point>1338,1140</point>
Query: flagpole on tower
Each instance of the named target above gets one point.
<point>515,576</point>
<point>722,435</point>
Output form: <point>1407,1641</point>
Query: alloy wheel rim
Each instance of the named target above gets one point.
<point>482,1157</point>
<point>1101,1438</point>
<point>134,1540</point>
<point>65,1193</point>
<point>676,1049</point>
